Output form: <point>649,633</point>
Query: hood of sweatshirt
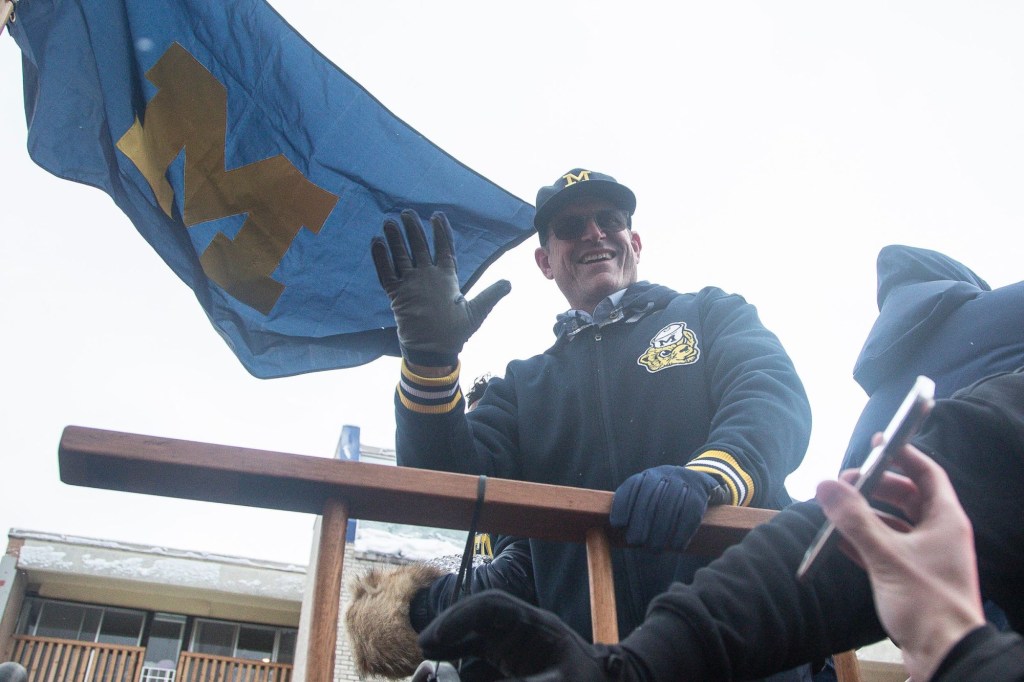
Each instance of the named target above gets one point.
<point>917,291</point>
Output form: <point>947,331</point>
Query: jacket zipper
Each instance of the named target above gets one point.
<point>632,580</point>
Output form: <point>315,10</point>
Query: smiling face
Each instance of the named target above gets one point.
<point>594,265</point>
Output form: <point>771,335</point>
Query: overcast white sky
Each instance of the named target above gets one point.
<point>774,149</point>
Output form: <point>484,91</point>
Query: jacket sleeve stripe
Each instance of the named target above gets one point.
<point>429,395</point>
<point>725,467</point>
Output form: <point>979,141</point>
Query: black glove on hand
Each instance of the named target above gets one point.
<point>521,640</point>
<point>434,319</point>
<point>662,507</point>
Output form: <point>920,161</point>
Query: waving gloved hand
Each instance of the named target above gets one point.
<point>522,641</point>
<point>434,319</point>
<point>662,507</point>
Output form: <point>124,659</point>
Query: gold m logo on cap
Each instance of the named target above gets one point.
<point>571,179</point>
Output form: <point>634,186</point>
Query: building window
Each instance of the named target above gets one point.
<point>164,642</point>
<point>256,643</point>
<point>124,627</point>
<point>81,622</point>
<point>237,640</point>
<point>121,627</point>
<point>213,637</point>
<point>286,646</point>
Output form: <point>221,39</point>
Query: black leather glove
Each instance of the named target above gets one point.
<point>662,507</point>
<point>434,319</point>
<point>522,641</point>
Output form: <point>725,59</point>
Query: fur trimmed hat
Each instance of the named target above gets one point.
<point>377,620</point>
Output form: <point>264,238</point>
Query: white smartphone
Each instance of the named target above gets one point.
<point>901,429</point>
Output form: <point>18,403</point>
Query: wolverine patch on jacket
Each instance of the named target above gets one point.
<point>675,344</point>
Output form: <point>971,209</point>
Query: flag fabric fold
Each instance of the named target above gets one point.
<point>256,168</point>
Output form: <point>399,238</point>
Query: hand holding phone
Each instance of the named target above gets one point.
<point>901,429</point>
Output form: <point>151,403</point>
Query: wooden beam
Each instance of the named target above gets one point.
<point>192,470</point>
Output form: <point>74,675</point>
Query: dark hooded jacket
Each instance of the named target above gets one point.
<point>936,318</point>
<point>658,378</point>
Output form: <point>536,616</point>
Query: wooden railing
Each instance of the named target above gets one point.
<point>194,667</point>
<point>337,489</point>
<point>49,659</point>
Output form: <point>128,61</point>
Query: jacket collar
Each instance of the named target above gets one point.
<point>635,302</point>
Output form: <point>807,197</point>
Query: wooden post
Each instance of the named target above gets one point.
<point>847,667</point>
<point>330,559</point>
<point>603,616</point>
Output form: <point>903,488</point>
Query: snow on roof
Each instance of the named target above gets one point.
<point>408,542</point>
<point>382,541</point>
<point>152,549</point>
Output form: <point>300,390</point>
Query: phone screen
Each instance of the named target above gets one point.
<point>905,423</point>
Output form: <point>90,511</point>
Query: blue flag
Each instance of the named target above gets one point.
<point>256,168</point>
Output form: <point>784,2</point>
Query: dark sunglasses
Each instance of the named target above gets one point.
<point>570,227</point>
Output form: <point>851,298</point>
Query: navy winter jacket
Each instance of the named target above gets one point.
<point>660,378</point>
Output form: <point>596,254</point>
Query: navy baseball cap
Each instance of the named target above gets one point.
<point>576,184</point>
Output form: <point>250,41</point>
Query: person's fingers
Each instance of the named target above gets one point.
<point>444,249</point>
<point>925,472</point>
<point>897,523</point>
<point>894,522</point>
<point>417,239</point>
<point>893,488</point>
<point>628,506</point>
<point>691,513</point>
<point>900,492</point>
<point>919,486</point>
<point>853,518</point>
<point>504,630</point>
<point>850,475</point>
<point>481,306</point>
<point>623,501</point>
<point>381,255</point>
<point>396,244</point>
<point>466,628</point>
